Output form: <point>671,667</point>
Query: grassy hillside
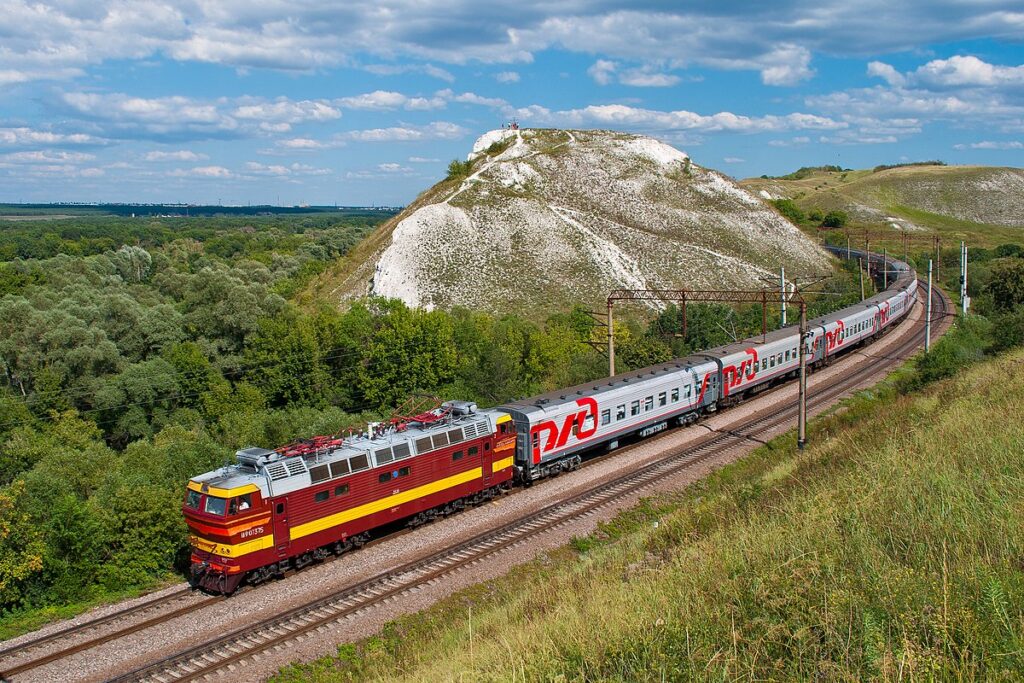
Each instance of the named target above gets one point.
<point>983,205</point>
<point>892,548</point>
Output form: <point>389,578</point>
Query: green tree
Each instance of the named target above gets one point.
<point>21,547</point>
<point>1006,283</point>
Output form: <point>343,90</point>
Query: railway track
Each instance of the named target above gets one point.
<point>239,645</point>
<point>76,630</point>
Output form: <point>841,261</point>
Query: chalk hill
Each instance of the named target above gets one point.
<point>548,218</point>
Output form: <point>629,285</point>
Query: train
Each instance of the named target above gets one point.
<point>276,510</point>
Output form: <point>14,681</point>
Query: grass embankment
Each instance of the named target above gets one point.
<point>892,548</point>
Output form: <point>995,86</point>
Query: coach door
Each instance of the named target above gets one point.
<point>281,530</point>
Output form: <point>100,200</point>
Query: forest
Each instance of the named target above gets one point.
<point>135,354</point>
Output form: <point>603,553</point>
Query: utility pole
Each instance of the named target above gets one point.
<point>860,262</point>
<point>964,300</point>
<point>611,342</point>
<point>847,246</point>
<point>801,438</point>
<point>928,313</point>
<point>885,268</point>
<point>782,285</point>
<point>938,256</point>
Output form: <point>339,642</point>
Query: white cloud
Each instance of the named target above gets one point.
<point>202,172</point>
<point>438,130</point>
<point>24,136</point>
<point>733,160</point>
<point>602,71</point>
<point>179,155</point>
<point>282,170</point>
<point>157,116</point>
<point>381,100</point>
<point>396,69</point>
<point>643,78</point>
<point>969,71</point>
<point>423,160</point>
<point>649,119</point>
<point>887,73</point>
<point>393,168</point>
<point>791,142</point>
<point>47,157</point>
<point>506,77</point>
<point>287,111</point>
<point>304,144</point>
<point>992,144</point>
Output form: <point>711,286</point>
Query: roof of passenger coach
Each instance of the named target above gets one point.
<point>759,340</point>
<point>551,399</point>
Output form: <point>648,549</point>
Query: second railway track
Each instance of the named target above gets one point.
<point>224,651</point>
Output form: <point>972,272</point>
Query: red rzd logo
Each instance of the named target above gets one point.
<point>575,424</point>
<point>732,376</point>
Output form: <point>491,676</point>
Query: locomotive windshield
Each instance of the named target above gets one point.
<point>193,499</point>
<point>215,506</point>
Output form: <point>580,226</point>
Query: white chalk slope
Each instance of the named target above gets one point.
<point>561,217</point>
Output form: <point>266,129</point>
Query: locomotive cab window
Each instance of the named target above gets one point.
<point>240,504</point>
<point>321,496</point>
<point>193,499</point>
<point>341,490</point>
<point>473,450</point>
<point>215,506</point>
<point>457,455</point>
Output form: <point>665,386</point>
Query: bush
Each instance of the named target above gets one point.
<point>835,219</point>
<point>815,215</point>
<point>963,345</point>
<point>459,169</point>
<point>789,209</point>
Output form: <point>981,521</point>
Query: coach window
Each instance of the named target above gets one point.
<point>620,412</point>
<point>764,363</point>
<point>321,496</point>
<point>662,398</point>
<point>687,391</point>
<point>341,490</point>
<point>193,499</point>
<point>675,394</point>
<point>634,408</point>
<point>648,403</point>
<point>606,416</point>
<point>778,359</point>
<point>215,506</point>
<point>457,455</point>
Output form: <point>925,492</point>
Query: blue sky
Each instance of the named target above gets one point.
<point>359,103</point>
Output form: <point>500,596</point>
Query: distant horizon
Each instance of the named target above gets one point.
<point>329,103</point>
<point>399,207</point>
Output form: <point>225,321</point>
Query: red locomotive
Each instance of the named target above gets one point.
<point>277,509</point>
